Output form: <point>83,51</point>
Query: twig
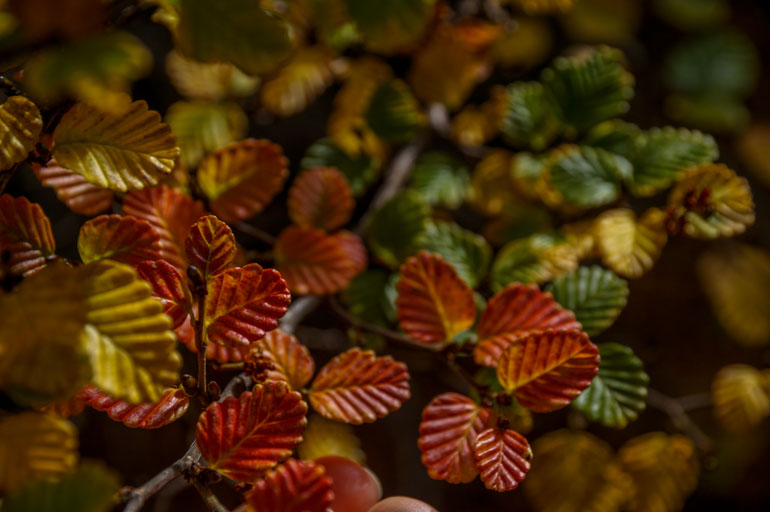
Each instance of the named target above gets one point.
<point>255,232</point>
<point>678,415</point>
<point>212,502</point>
<point>696,401</point>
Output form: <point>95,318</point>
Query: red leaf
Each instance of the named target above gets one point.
<point>243,437</point>
<point>125,239</point>
<point>168,287</point>
<point>357,387</point>
<point>516,311</point>
<point>244,303</point>
<point>220,353</point>
<point>210,246</point>
<point>294,486</point>
<point>502,458</point>
<point>25,233</point>
<point>320,198</point>
<point>292,360</point>
<point>74,190</point>
<point>171,406</point>
<point>433,302</point>
<point>65,408</point>
<point>313,262</point>
<point>546,370</point>
<point>450,424</point>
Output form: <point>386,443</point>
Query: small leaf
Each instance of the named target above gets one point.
<point>529,120</point>
<point>615,136</point>
<point>491,187</point>
<point>503,458</point>
<point>366,297</point>
<point>587,177</point>
<point>74,190</point>
<point>395,227</point>
<point>360,171</point>
<point>741,396</point>
<point>171,406</point>
<point>25,233</point>
<point>243,437</point>
<point>535,259</point>
<point>391,26</point>
<point>292,360</point>
<point>214,351</point>
<point>20,127</point>
<point>393,113</point>
<point>324,437</point>
<point>126,239</point>
<point>242,178</point>
<point>210,246</point>
<point>630,247</point>
<point>440,179</point>
<point>595,295</point>
<point>208,81</point>
<point>292,486</point>
<point>356,387</point>
<point>433,303</point>
<point>320,198</point>
<point>448,430</point>
<point>547,370</point>
<point>128,149</point>
<point>466,251</point>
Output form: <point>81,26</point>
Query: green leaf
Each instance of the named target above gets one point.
<point>396,226</point>
<point>587,177</point>
<point>536,259</point>
<point>441,179</point>
<point>692,15</point>
<point>390,26</point>
<point>594,294</point>
<point>367,297</point>
<point>663,154</point>
<point>238,31</point>
<point>712,112</point>
<point>617,394</point>
<point>394,113</point>
<point>360,171</point>
<point>468,252</point>
<point>529,119</point>
<point>91,488</point>
<point>615,136</point>
<point>589,87</point>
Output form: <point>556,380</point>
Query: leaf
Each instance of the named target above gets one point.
<point>393,113</point>
<point>628,246</point>
<point>292,360</point>
<point>391,26</point>
<point>617,394</point>
<point>208,81</point>
<point>502,457</point>
<point>214,351</point>
<point>126,239</point>
<point>753,148</point>
<point>530,117</point>
<point>448,430</point>
<point>491,183</point>
<point>440,179</point>
<point>64,408</point>
<point>360,171</point>
<point>320,198</point>
<point>693,15</point>
<point>366,297</point>
<point>395,227</point>
<point>171,406</point>
<point>710,201</point>
<point>130,342</point>
<point>433,303</point>
<point>513,313</point>
<point>299,82</point>
<point>210,246</point>
<point>294,486</point>
<point>547,370</point>
<point>63,20</point>
<point>466,251</point>
<point>33,446</point>
<point>615,136</point>
<point>324,437</point>
<point>663,467</point>
<point>243,437</point>
<point>356,387</point>
<point>544,6</point>
<point>90,488</point>
<point>535,259</point>
<point>741,396</point>
<point>20,127</point>
<point>238,31</point>
<point>595,295</point>
<point>129,149</point>
<point>25,233</point>
<point>243,304</point>
<point>242,178</point>
<point>74,190</point>
<point>713,112</point>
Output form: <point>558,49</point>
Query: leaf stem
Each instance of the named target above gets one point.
<point>211,500</point>
<point>255,232</point>
<point>674,409</point>
<point>200,345</point>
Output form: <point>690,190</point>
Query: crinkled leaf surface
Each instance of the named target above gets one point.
<point>395,227</point>
<point>741,396</point>
<point>320,198</point>
<point>530,119</point>
<point>292,360</point>
<point>20,127</point>
<point>628,246</point>
<point>394,113</point>
<point>171,405</point>
<point>210,246</point>
<point>294,486</point>
<point>535,259</point>
<point>359,170</point>
<point>441,179</point>
<point>74,190</point>
<point>502,458</point>
<point>25,233</point>
<point>168,287</point>
<point>126,239</point>
<point>467,252</point>
<point>587,177</point>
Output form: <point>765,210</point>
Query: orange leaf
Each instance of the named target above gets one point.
<point>125,239</point>
<point>320,198</point>
<point>313,262</point>
<point>25,233</point>
<point>292,360</point>
<point>168,287</point>
<point>171,406</point>
<point>171,214</point>
<point>243,304</point>
<point>242,178</point>
<point>358,387</point>
<point>514,312</point>
<point>294,486</point>
<point>243,437</point>
<point>433,302</point>
<point>503,458</point>
<point>74,190</point>
<point>450,424</point>
<point>219,353</point>
<point>547,370</point>
<point>210,246</point>
<point>65,408</point>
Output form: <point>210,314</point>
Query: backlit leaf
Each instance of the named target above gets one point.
<point>320,198</point>
<point>292,359</point>
<point>299,82</point>
<point>74,190</point>
<point>208,81</point>
<point>359,171</point>
<point>128,149</point>
<point>242,178</point>
<point>440,179</point>
<point>126,239</point>
<point>171,405</point>
<point>243,437</point>
<point>547,370</point>
<point>466,251</point>
<point>502,457</point>
<point>530,118</point>
<point>20,126</point>
<point>357,387</point>
<point>294,486</point>
<point>324,437</point>
<point>741,396</point>
<point>395,227</point>
<point>535,259</point>
<point>393,113</point>
<point>25,233</point>
<point>391,26</point>
<point>210,246</point>
<point>433,303</point>
<point>628,246</point>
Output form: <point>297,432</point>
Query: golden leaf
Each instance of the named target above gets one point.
<point>741,396</point>
<point>528,44</point>
<point>324,437</point>
<point>627,246</point>
<point>491,187</point>
<point>20,126</point>
<point>474,126</point>
<point>208,81</point>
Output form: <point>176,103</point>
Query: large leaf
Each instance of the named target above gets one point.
<point>210,246</point>
<point>294,486</point>
<point>448,430</point>
<point>547,370</point>
<point>513,313</point>
<point>243,437</point>
<point>74,190</point>
<point>502,457</point>
<point>20,126</point>
<point>530,119</point>
<point>25,234</point>
<point>324,437</point>
<point>741,396</point>
<point>208,81</point>
<point>125,239</point>
<point>320,198</point>
<point>394,113</point>
<point>242,178</point>
<point>394,228</point>
<point>360,170</point>
<point>630,247</point>
<point>617,394</point>
<point>535,259</point>
<point>433,303</point>
<point>595,295</point>
<point>441,179</point>
<point>171,406</point>
<point>292,360</point>
<point>466,251</point>
<point>128,149</point>
<point>587,177</point>
<point>391,26</point>
<point>358,387</point>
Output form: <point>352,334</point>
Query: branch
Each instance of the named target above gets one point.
<point>255,232</point>
<point>208,496</point>
<point>674,409</point>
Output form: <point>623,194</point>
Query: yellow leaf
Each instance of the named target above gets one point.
<point>129,150</point>
<point>324,437</point>
<point>526,45</point>
<point>491,187</point>
<point>580,235</point>
<point>20,126</point>
<point>208,81</point>
<point>477,125</point>
<point>391,26</point>
<point>741,396</point>
<point>628,246</point>
<point>35,445</point>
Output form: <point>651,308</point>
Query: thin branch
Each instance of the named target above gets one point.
<point>212,502</point>
<point>673,408</point>
<point>695,401</point>
<point>299,309</point>
<point>255,232</point>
